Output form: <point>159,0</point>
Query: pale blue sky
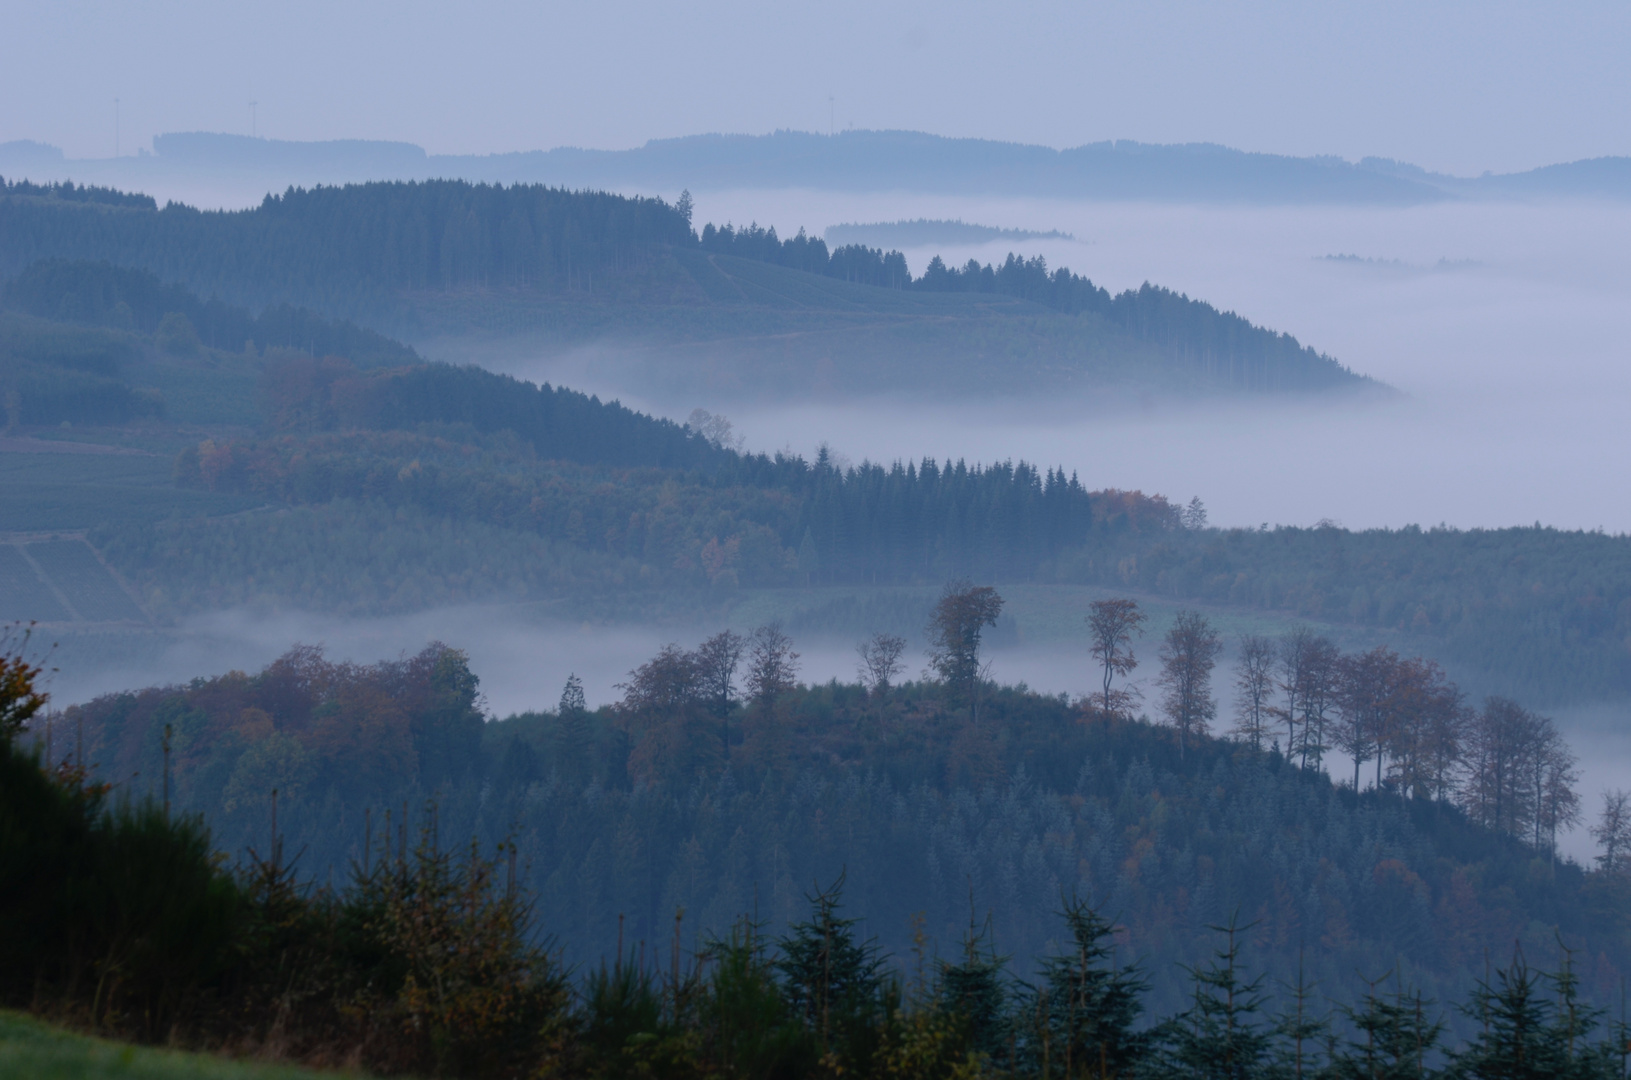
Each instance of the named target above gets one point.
<point>1457,86</point>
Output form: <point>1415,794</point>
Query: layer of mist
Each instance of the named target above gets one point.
<point>1502,324</point>
<point>523,659</point>
<point>1504,329</point>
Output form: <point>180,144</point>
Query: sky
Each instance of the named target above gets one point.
<point>1455,86</point>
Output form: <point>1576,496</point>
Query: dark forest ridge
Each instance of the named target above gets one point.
<point>738,310</point>
<point>847,161</point>
<point>489,487</point>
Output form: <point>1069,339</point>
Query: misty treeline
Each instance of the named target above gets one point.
<point>655,502</point>
<point>120,298</point>
<point>73,333</point>
<point>1508,768</point>
<point>849,262</point>
<point>720,784</point>
<point>474,478</point>
<point>801,523</point>
<point>352,249</point>
<point>358,250</point>
<point>68,191</point>
<point>50,373</point>
<point>1540,612</point>
<point>1230,348</point>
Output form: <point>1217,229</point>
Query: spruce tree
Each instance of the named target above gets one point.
<point>1219,1037</point>
<point>1080,1019</point>
<point>974,990</point>
<point>834,983</point>
<point>1526,1036</point>
<point>1394,1037</point>
<point>1299,1030</point>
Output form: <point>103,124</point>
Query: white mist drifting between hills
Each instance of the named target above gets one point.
<point>1512,356</point>
<point>523,660</point>
<point>1505,326</point>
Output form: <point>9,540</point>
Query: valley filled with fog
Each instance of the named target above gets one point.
<point>1502,324</point>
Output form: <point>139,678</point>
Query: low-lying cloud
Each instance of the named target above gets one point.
<point>1512,366</point>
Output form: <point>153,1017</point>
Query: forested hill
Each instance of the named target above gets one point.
<point>120,298</point>
<point>350,249</point>
<point>683,796</point>
<point>448,256</point>
<point>90,343</point>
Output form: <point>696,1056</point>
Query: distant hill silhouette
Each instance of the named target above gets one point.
<point>847,161</point>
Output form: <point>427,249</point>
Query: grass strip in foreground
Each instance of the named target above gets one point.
<point>36,1050</point>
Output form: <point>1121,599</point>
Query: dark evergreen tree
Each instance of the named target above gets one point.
<point>1527,1033</point>
<point>1219,1037</point>
<point>974,989</point>
<point>1300,1030</point>
<point>1081,1017</point>
<point>834,983</point>
<point>1396,1038</point>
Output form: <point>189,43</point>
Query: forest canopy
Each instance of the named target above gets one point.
<point>364,250</point>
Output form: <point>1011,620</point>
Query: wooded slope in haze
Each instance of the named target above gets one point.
<point>373,251</point>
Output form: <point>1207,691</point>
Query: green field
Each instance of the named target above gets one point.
<point>35,1050</point>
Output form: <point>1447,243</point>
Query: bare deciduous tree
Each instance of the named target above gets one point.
<point>1309,666</point>
<point>1113,625</point>
<point>1321,674</point>
<point>1520,773</point>
<point>1613,832</point>
<point>1188,655</point>
<point>716,660</point>
<point>1364,698</point>
<point>714,428</point>
<point>772,664</point>
<point>1254,679</point>
<point>1422,729</point>
<point>1557,804</point>
<point>881,660</point>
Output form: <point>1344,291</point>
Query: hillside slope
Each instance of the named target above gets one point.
<point>381,484</point>
<point>734,313</point>
<point>623,815</point>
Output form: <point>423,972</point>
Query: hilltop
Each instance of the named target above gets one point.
<point>730,312</point>
<point>692,795</point>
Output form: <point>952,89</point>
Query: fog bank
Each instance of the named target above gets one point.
<point>1503,324</point>
<point>523,659</point>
